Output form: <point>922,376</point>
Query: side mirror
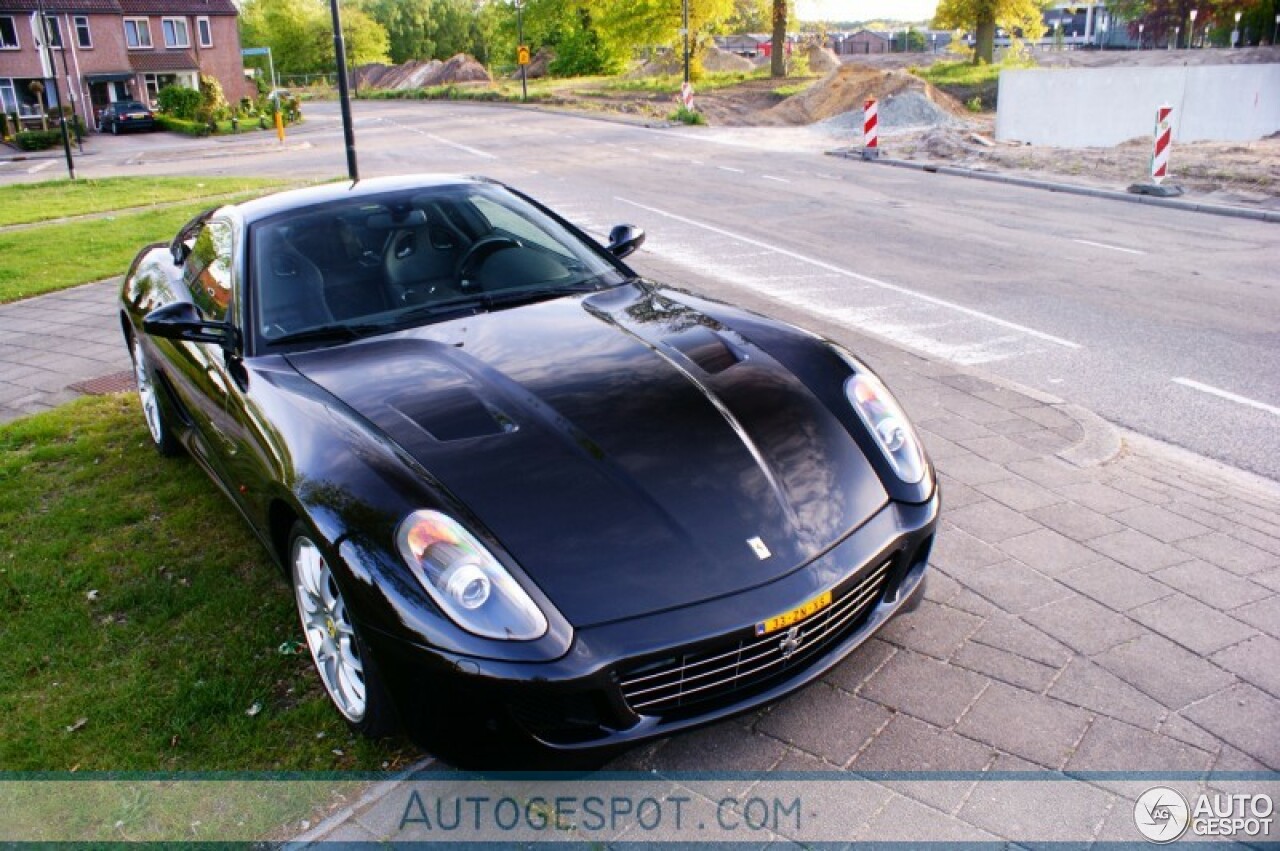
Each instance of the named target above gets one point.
<point>625,240</point>
<point>179,251</point>
<point>181,321</point>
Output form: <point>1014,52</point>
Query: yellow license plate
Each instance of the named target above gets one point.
<point>794,616</point>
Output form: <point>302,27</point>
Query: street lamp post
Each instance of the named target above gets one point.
<point>1140,27</point>
<point>1191,30</point>
<point>1275,31</point>
<point>46,56</point>
<point>1235,33</point>
<point>524,75</point>
<point>1177,34</point>
<point>685,32</point>
<point>344,93</point>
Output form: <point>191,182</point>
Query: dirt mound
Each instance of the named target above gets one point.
<point>821,59</point>
<point>658,65</point>
<point>905,100</point>
<point>715,59</point>
<point>417,75</point>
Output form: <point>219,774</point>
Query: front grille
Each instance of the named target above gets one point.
<point>728,668</point>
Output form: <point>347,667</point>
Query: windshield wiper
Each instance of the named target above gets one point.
<point>514,298</point>
<point>342,331</point>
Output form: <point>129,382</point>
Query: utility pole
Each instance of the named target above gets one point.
<point>686,40</point>
<point>524,76</point>
<point>47,60</point>
<point>344,94</point>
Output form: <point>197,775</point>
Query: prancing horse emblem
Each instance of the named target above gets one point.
<point>758,547</point>
<point>790,642</point>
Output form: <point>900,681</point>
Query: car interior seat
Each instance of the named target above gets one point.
<point>289,287</point>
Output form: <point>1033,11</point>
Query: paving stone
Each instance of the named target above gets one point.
<point>1019,494</point>
<point>1014,425</point>
<point>1050,472</point>
<point>1176,727</point>
<point>1161,669</point>
<point>967,601</point>
<point>1016,587</point>
<point>906,821</point>
<point>998,448</point>
<point>1099,497</point>
<point>1212,585</point>
<point>991,521</point>
<point>938,446</point>
<point>934,630</point>
<point>1141,552</point>
<point>1264,615</point>
<point>1083,625</point>
<point>1230,759</point>
<point>924,688</point>
<point>953,428</point>
<point>825,722</point>
<point>798,761</point>
<point>1115,586</point>
<point>1092,687</point>
<point>1159,523</point>
<point>1256,660</point>
<point>1075,521</point>
<point>972,470</point>
<point>1229,553</point>
<point>908,744</point>
<point>1244,717</point>
<point>851,673</point>
<point>1048,551</point>
<point>347,833</point>
<point>1013,635</point>
<point>1004,666</point>
<point>1048,417</point>
<point>940,588</point>
<point>1115,746</point>
<point>1192,624</point>
<point>722,747</point>
<point>1036,728</point>
<point>957,550</point>
<point>957,494</point>
<point>1150,492</point>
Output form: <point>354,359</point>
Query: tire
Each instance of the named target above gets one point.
<point>345,666</point>
<point>115,129</point>
<point>162,436</point>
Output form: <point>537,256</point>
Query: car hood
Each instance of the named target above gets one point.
<point>625,448</point>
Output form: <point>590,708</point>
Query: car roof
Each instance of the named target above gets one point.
<point>280,202</point>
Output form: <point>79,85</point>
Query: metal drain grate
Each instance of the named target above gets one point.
<point>116,382</point>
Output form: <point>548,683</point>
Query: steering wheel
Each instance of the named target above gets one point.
<point>478,252</point>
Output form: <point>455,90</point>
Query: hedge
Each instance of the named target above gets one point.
<point>180,125</point>
<point>38,140</point>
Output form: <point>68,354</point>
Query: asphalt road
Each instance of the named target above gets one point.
<point>1161,321</point>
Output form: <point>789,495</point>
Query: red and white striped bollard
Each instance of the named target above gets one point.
<point>870,130</point>
<point>1163,140</point>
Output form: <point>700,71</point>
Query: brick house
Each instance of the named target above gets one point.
<point>110,50</point>
<point>861,42</point>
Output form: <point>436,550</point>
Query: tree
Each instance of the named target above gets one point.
<point>425,29</point>
<point>300,34</point>
<point>778,56</point>
<point>749,16</point>
<point>983,16</point>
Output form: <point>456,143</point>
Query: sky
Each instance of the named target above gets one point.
<point>865,10</point>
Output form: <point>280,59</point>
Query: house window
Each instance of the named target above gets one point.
<point>8,97</point>
<point>53,31</point>
<point>205,31</point>
<point>137,33</point>
<point>175,32</point>
<point>8,35</point>
<point>84,38</point>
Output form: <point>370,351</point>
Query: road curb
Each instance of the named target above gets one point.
<point>1101,442</point>
<point>1069,188</point>
<point>380,789</point>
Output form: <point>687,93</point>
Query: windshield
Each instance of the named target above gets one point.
<point>351,268</point>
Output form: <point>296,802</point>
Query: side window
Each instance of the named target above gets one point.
<point>207,271</point>
<point>501,218</point>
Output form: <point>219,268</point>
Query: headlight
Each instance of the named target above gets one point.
<point>465,580</point>
<point>886,420</point>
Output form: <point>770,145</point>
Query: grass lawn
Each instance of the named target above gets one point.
<point>21,203</point>
<point>141,620</point>
<point>670,83</point>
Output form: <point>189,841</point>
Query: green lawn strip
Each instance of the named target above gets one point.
<point>57,256</point>
<point>21,203</point>
<point>671,82</point>
<point>182,637</point>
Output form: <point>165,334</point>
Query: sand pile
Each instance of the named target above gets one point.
<point>821,59</point>
<point>672,62</point>
<point>715,59</point>
<point>905,100</point>
<point>417,75</point>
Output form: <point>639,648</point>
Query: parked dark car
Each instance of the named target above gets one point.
<point>126,115</point>
<point>511,481</point>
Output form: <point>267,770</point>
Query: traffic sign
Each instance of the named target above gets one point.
<point>522,54</point>
<point>256,51</point>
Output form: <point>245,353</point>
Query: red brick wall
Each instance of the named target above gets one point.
<point>223,59</point>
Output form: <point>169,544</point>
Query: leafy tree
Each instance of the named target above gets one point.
<point>778,55</point>
<point>749,16</point>
<point>426,29</point>
<point>300,34</point>
<point>983,16</point>
<point>1160,17</point>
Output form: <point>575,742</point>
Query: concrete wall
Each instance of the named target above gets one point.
<point>1088,107</point>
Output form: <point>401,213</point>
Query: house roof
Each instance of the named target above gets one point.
<point>177,7</point>
<point>879,35</point>
<point>168,60</point>
<point>108,7</point>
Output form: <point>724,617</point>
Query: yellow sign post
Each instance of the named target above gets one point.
<point>522,54</point>
<point>280,124</point>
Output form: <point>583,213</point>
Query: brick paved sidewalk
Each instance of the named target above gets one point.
<point>1123,615</point>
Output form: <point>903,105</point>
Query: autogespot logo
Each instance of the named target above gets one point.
<point>1161,814</point>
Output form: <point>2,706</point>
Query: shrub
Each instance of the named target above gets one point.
<point>179,102</point>
<point>182,125</point>
<point>974,104</point>
<point>688,116</point>
<point>213,103</point>
<point>38,140</point>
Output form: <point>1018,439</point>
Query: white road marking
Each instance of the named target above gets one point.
<point>967,311</point>
<point>771,177</point>
<point>1111,247</point>
<point>1228,395</point>
<point>39,167</point>
<point>722,168</point>
<point>470,150</point>
<point>695,162</point>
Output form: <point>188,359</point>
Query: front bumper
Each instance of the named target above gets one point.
<point>657,674</point>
